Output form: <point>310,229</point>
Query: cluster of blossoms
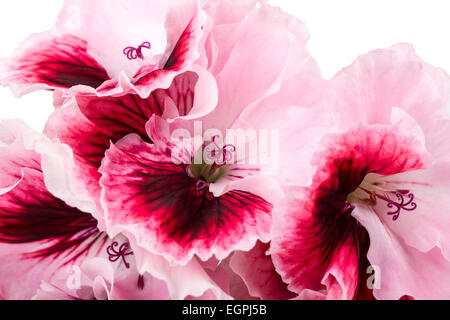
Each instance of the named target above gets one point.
<point>120,197</point>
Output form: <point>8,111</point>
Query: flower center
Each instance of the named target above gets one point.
<point>372,191</point>
<point>207,173</point>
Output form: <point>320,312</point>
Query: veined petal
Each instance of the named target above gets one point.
<point>40,234</point>
<point>76,58</point>
<point>52,60</point>
<point>168,213</point>
<point>309,251</point>
<point>87,141</point>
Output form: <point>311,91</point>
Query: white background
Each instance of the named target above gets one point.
<point>340,31</point>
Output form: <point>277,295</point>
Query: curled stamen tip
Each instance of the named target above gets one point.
<point>133,53</point>
<point>121,253</point>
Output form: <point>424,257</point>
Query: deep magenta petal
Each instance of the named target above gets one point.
<point>146,192</point>
<point>119,116</point>
<point>58,62</point>
<point>96,122</point>
<point>130,113</point>
<point>87,141</point>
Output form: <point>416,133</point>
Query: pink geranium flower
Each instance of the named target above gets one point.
<point>185,210</point>
<point>225,80</point>
<point>374,223</point>
<point>108,48</point>
<point>48,229</point>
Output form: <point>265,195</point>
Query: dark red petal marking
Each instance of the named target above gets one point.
<point>325,222</point>
<point>183,52</point>
<point>29,213</point>
<point>60,62</point>
<point>363,244</point>
<point>130,113</point>
<point>141,282</point>
<point>88,141</point>
<point>182,48</point>
<point>153,192</point>
<point>118,116</point>
<point>110,119</point>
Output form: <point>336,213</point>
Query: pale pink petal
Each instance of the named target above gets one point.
<point>296,119</point>
<point>256,268</point>
<point>426,225</point>
<point>268,48</point>
<point>197,284</point>
<point>366,91</point>
<point>437,141</point>
<point>402,269</point>
<point>160,23</point>
<point>124,284</point>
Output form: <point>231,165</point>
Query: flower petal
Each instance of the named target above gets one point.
<point>280,39</point>
<point>87,141</point>
<point>159,23</point>
<point>162,207</point>
<point>52,60</point>
<point>297,117</point>
<point>366,91</point>
<point>402,269</point>
<point>257,270</point>
<point>315,248</point>
<point>198,284</point>
<point>40,235</point>
<point>426,226</point>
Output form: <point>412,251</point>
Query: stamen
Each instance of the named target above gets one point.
<point>402,203</point>
<point>115,255</point>
<point>220,155</point>
<point>133,53</point>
